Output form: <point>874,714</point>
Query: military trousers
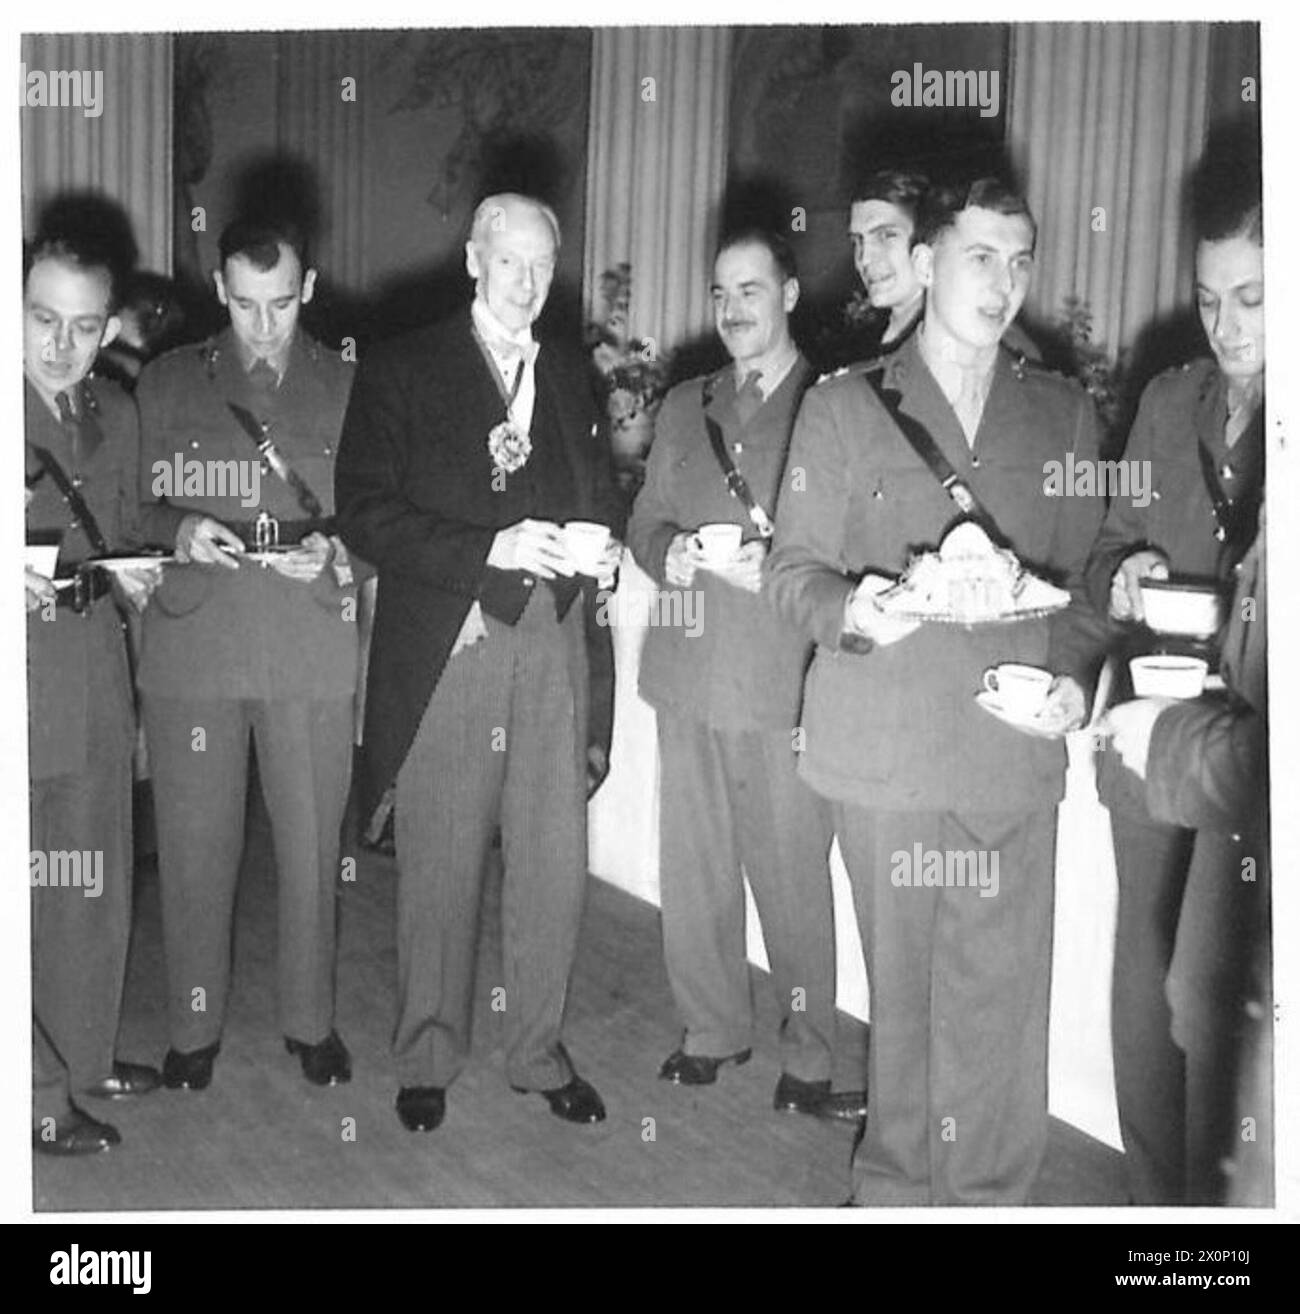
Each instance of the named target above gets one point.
<point>731,800</point>
<point>81,830</point>
<point>502,741</point>
<point>959,976</point>
<point>198,753</point>
<point>1151,863</point>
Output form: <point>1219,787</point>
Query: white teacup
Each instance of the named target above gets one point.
<point>719,542</point>
<point>1168,676</point>
<point>586,541</point>
<point>43,558</point>
<point>1022,690</point>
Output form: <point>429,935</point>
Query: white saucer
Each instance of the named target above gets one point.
<point>130,563</point>
<point>1029,725</point>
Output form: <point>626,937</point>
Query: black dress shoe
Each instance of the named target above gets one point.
<point>126,1079</point>
<point>190,1071</point>
<point>75,1133</point>
<point>844,1106</point>
<point>326,1063</point>
<point>575,1102</point>
<point>795,1096</point>
<point>684,1069</point>
<point>421,1108</point>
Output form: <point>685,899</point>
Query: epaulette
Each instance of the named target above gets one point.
<point>209,354</point>
<point>710,384</point>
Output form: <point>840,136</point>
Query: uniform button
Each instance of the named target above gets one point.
<point>528,581</point>
<point>329,451</point>
<point>194,443</point>
<point>975,462</point>
<point>1236,838</point>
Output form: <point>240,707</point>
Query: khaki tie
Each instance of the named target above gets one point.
<point>970,405</point>
<point>749,400</point>
<point>1240,414</point>
<point>263,375</point>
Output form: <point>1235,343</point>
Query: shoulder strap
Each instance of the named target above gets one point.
<point>736,483</point>
<point>73,498</point>
<point>259,432</point>
<point>923,444</point>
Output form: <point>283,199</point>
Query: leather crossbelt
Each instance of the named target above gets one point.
<point>259,431</point>
<point>73,497</point>
<point>923,444</point>
<point>737,485</point>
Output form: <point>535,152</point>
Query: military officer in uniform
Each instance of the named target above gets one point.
<point>81,461</point>
<point>243,641</point>
<point>882,229</point>
<point>1199,433</point>
<point>727,700</point>
<point>957,1083</point>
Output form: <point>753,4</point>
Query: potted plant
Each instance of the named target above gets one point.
<point>633,376</point>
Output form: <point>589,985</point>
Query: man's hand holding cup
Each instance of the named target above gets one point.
<point>593,551</point>
<point>535,546</point>
<point>1125,593</point>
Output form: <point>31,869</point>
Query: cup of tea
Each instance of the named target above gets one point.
<point>1022,690</point>
<point>719,542</point>
<point>585,541</point>
<point>1166,675</point>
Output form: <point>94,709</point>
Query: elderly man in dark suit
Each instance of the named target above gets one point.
<point>958,975</point>
<point>244,642</point>
<point>727,697</point>
<point>467,448</point>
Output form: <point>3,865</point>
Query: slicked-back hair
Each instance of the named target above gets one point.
<point>482,218</point>
<point>259,240</point>
<point>85,250</point>
<point>781,251</point>
<point>942,204</point>
<point>897,187</point>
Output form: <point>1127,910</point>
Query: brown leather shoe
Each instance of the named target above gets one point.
<point>684,1069</point>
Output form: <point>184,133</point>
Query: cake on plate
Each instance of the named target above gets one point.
<point>970,580</point>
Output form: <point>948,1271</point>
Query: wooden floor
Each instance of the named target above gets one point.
<point>261,1137</point>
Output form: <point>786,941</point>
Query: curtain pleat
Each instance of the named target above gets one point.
<point>1109,117</point>
<point>125,152</point>
<point>656,172</point>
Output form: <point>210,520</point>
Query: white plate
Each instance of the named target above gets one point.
<point>129,563</point>
<point>1031,725</point>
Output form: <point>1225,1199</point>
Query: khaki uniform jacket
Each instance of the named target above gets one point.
<point>215,633</point>
<point>898,728</point>
<point>59,649</point>
<point>744,667</point>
